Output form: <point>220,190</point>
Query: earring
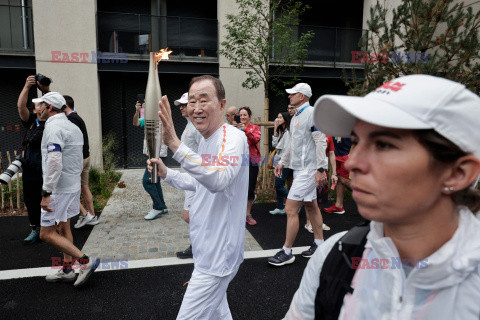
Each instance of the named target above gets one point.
<point>449,188</point>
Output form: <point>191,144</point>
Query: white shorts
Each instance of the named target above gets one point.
<point>303,186</point>
<point>188,199</point>
<point>206,297</point>
<point>64,205</point>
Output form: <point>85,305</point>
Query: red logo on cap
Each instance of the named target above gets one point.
<point>394,86</point>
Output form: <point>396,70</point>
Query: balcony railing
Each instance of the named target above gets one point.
<point>140,34</point>
<point>330,44</point>
<point>16,28</point>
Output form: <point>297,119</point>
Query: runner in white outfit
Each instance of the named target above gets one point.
<point>304,154</point>
<point>217,214</point>
<point>62,163</point>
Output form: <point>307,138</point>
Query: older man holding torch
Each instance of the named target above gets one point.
<point>217,213</point>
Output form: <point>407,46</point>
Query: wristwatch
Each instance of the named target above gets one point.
<point>321,170</point>
<point>46,193</point>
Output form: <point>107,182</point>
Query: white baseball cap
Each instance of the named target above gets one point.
<point>183,99</point>
<point>53,98</point>
<point>410,102</point>
<point>302,88</point>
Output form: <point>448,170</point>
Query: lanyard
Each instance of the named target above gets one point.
<point>301,110</point>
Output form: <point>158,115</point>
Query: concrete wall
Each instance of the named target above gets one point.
<point>232,78</point>
<point>69,26</point>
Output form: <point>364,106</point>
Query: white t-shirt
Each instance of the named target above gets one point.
<point>217,213</point>
<point>62,135</point>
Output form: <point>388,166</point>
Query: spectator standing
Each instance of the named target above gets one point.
<point>87,216</point>
<point>32,179</point>
<point>280,139</point>
<point>253,138</point>
<point>153,189</point>
<point>291,110</point>
<point>230,114</point>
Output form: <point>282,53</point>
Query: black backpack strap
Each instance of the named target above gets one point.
<point>337,272</point>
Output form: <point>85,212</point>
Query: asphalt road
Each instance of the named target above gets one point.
<point>259,291</point>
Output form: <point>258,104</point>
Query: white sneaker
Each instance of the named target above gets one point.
<point>61,276</point>
<point>309,228</point>
<point>325,227</point>
<point>86,271</point>
<point>93,222</point>
<point>277,211</point>
<point>83,220</point>
<point>153,214</point>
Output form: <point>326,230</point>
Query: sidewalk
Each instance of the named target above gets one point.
<point>123,233</point>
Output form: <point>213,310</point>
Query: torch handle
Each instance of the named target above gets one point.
<point>154,174</point>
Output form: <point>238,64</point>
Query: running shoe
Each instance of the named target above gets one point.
<point>335,209</point>
<point>309,228</point>
<point>185,254</point>
<point>86,271</point>
<point>154,214</point>
<point>277,211</point>
<point>32,237</point>
<point>83,220</point>
<point>61,276</point>
<point>308,253</point>
<point>93,222</point>
<point>251,221</point>
<point>281,258</point>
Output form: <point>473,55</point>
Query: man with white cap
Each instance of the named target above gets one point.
<point>416,153</point>
<point>191,138</point>
<point>62,163</point>
<point>306,156</point>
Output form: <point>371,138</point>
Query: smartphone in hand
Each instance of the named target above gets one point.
<point>236,118</point>
<point>141,98</point>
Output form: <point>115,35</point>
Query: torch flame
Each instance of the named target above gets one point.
<point>162,55</point>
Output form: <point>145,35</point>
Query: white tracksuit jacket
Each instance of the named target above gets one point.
<point>447,286</point>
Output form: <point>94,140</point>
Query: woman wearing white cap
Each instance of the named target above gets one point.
<point>416,149</point>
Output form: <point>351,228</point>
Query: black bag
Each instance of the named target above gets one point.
<point>337,272</point>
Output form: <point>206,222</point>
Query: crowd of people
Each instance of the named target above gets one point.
<point>409,152</point>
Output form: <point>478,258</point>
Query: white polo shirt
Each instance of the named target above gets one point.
<point>62,135</point>
<point>217,213</point>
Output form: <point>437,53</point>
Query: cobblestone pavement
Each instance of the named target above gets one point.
<point>123,233</point>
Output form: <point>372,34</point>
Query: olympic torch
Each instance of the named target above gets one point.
<point>153,94</point>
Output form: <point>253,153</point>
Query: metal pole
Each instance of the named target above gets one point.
<point>335,50</point>
<point>24,23</point>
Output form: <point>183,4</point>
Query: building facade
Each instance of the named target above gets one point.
<point>97,52</point>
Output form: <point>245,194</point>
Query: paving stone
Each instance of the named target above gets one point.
<point>123,232</point>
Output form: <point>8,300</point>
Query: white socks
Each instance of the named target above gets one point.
<point>287,250</point>
<point>318,242</point>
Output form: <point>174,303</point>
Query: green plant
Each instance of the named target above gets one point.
<point>446,32</point>
<point>109,147</point>
<point>264,33</point>
<point>102,185</point>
